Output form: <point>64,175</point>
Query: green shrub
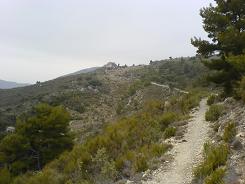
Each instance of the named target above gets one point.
<point>48,177</point>
<point>166,119</point>
<point>154,106</point>
<point>140,163</point>
<point>109,170</point>
<point>216,177</point>
<point>158,149</point>
<point>122,148</point>
<point>169,132</point>
<point>214,157</point>
<point>189,101</point>
<point>229,132</point>
<point>95,82</point>
<point>140,158</point>
<point>134,87</point>
<point>103,164</point>
<point>214,112</point>
<point>5,176</point>
<point>211,99</point>
<point>241,90</point>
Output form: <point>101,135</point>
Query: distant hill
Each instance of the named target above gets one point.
<point>109,65</point>
<point>9,85</point>
<point>87,70</point>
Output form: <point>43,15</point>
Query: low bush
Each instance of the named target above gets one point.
<point>134,87</point>
<point>187,101</point>
<point>167,118</point>
<point>216,177</point>
<point>5,176</point>
<point>137,85</point>
<point>211,99</point>
<point>229,132</point>
<point>169,132</point>
<point>122,149</point>
<point>214,112</point>
<point>215,156</point>
<point>240,92</point>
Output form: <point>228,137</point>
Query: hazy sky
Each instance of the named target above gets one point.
<point>43,39</point>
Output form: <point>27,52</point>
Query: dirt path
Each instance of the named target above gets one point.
<point>167,87</point>
<point>186,154</point>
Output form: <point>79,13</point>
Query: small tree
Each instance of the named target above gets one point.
<point>225,25</point>
<point>37,140</point>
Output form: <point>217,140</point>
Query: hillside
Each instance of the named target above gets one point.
<point>8,85</point>
<point>150,103</point>
<point>138,124</point>
<point>104,94</point>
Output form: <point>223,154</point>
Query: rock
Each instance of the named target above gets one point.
<point>10,129</point>
<point>236,144</point>
<point>146,173</point>
<point>229,100</point>
<point>240,135</point>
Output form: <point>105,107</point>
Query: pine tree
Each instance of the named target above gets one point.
<point>38,139</point>
<point>225,25</point>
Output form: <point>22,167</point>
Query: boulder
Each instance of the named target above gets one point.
<point>236,144</point>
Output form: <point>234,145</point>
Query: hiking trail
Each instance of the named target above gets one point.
<point>186,154</point>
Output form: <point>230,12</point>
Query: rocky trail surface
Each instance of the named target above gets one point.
<point>168,87</point>
<point>186,154</point>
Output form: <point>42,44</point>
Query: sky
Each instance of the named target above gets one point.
<point>42,40</point>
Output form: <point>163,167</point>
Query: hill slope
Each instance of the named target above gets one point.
<point>119,113</point>
<point>104,94</point>
<point>87,70</point>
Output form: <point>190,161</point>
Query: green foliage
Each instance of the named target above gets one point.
<point>181,74</point>
<point>211,99</point>
<point>216,177</point>
<point>241,89</point>
<point>186,102</point>
<point>229,132</point>
<point>37,140</point>
<point>130,140</point>
<point>166,119</point>
<point>5,176</point>
<point>14,153</point>
<point>136,86</point>
<point>72,91</point>
<point>48,177</point>
<point>214,112</point>
<point>74,100</point>
<point>153,105</point>
<point>137,161</point>
<point>94,82</point>
<point>225,27</point>
<point>122,149</point>
<point>215,156</point>
<point>169,132</point>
